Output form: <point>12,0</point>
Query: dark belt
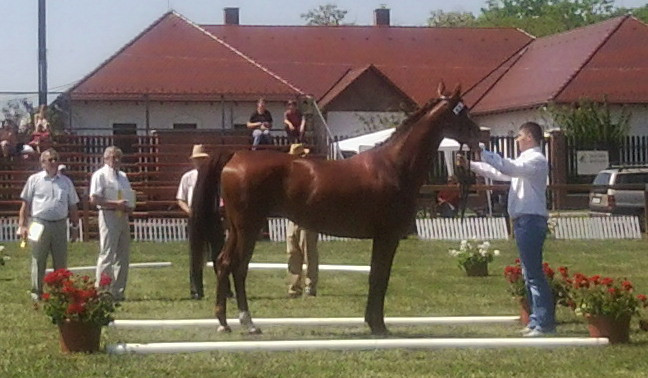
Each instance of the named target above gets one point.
<point>50,221</point>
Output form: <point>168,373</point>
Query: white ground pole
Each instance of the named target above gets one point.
<point>346,322</point>
<point>364,344</point>
<point>132,265</point>
<point>323,267</point>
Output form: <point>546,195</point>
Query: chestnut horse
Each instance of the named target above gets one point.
<point>371,195</point>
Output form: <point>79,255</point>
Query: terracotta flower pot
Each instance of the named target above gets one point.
<point>616,330</point>
<point>525,311</point>
<point>479,269</point>
<point>75,336</point>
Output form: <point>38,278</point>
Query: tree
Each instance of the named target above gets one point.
<point>592,124</point>
<point>328,14</point>
<point>544,17</point>
<point>18,110</point>
<point>439,18</point>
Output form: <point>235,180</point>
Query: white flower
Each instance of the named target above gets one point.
<point>496,252</point>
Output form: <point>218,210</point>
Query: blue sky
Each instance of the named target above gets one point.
<point>84,33</point>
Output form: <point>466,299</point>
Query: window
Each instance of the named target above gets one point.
<point>125,136</point>
<point>184,126</point>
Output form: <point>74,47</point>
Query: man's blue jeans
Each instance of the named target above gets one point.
<point>530,233</point>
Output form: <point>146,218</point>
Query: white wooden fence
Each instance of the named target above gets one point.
<point>617,227</point>
<point>458,229</point>
<point>160,229</point>
<point>9,229</point>
<point>277,230</point>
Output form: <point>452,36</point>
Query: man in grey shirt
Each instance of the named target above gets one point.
<point>49,198</point>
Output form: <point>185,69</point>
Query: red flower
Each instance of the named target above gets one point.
<point>607,281</point>
<point>563,271</point>
<point>75,308</point>
<point>627,285</point>
<point>642,297</point>
<point>45,296</point>
<point>595,279</point>
<point>105,280</point>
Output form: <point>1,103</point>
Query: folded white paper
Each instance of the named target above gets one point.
<point>35,231</point>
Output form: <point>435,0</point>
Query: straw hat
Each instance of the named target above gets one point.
<point>298,149</point>
<point>198,152</point>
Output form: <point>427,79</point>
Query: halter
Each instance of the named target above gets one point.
<point>464,175</point>
<point>457,108</point>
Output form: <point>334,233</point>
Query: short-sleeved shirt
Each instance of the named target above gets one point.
<point>261,117</point>
<point>295,118</point>
<point>187,184</point>
<point>106,180</point>
<point>49,197</point>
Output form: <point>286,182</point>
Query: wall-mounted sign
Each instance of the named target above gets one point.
<point>591,162</point>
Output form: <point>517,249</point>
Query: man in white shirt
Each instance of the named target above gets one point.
<point>50,198</point>
<point>111,192</point>
<point>185,193</point>
<point>527,207</point>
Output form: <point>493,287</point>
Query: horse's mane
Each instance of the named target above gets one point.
<point>412,119</point>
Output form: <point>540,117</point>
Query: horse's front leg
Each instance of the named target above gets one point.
<point>382,257</point>
<point>240,270</point>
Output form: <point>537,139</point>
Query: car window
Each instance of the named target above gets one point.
<point>603,178</point>
<point>632,178</point>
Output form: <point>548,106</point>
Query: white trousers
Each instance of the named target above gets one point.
<point>114,250</point>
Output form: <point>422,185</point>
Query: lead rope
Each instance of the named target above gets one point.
<point>466,178</point>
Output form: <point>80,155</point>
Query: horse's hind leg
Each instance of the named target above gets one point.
<point>382,256</point>
<point>240,270</point>
<point>223,269</point>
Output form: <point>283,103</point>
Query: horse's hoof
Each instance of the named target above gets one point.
<point>224,329</point>
<point>254,331</point>
<point>379,332</point>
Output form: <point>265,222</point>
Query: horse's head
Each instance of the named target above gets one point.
<point>458,124</point>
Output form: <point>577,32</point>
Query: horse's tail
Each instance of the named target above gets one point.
<point>205,222</point>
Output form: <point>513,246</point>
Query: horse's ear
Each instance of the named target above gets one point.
<point>457,91</point>
<point>441,89</point>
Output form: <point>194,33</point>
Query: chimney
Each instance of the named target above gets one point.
<point>381,17</point>
<point>231,16</point>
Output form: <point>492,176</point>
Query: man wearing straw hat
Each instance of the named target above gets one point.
<point>185,192</point>
<point>301,247</point>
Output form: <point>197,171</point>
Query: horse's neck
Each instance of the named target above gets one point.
<point>413,149</point>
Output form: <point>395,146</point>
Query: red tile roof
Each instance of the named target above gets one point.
<point>609,58</point>
<point>503,69</point>
<point>176,60</point>
<point>415,58</point>
<point>351,76</point>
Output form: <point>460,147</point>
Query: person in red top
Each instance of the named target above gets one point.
<point>294,123</point>
<point>41,137</point>
<point>448,200</point>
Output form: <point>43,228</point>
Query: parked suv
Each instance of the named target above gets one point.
<point>607,201</point>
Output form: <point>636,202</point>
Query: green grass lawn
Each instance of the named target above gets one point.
<point>425,282</point>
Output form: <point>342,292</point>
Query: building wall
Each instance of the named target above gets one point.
<point>97,117</point>
<point>503,124</point>
<point>350,124</point>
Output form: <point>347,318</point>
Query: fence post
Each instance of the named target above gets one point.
<point>85,203</point>
<point>646,208</point>
<point>558,167</point>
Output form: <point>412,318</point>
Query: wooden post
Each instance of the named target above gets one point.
<point>646,208</point>
<point>85,203</point>
<point>558,167</point>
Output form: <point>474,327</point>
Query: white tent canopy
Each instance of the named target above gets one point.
<point>368,141</point>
